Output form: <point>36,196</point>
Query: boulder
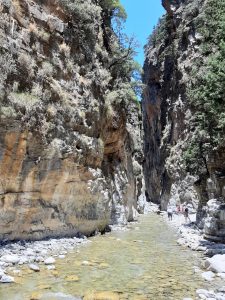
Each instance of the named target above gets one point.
<point>217,263</point>
<point>10,258</point>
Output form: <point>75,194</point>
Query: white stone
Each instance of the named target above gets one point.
<point>49,261</point>
<point>10,258</point>
<point>197,269</point>
<point>39,259</point>
<point>85,263</point>
<point>203,292</point>
<point>51,267</point>
<point>29,252</point>
<point>34,267</point>
<point>217,263</point>
<point>220,296</point>
<point>23,260</point>
<point>6,279</point>
<point>209,276</point>
<point>221,275</point>
<point>61,256</point>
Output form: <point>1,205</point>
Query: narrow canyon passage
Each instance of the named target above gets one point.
<point>143,262</point>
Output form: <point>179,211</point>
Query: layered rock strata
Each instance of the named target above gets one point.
<point>70,155</point>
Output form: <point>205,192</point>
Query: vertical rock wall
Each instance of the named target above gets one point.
<point>171,51</point>
<point>70,156</point>
<point>174,51</point>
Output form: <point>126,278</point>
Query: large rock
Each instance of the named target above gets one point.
<point>216,263</point>
<point>10,258</point>
<point>214,222</point>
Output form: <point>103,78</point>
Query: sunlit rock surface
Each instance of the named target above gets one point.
<point>70,159</point>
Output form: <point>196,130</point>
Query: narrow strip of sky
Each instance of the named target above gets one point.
<point>142,16</point>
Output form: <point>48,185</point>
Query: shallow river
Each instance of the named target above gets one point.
<point>142,263</point>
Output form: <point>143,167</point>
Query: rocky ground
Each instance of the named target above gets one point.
<point>34,254</point>
<point>45,253</point>
<point>212,267</point>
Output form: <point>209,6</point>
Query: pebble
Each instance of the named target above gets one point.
<point>209,276</point>
<point>39,259</point>
<point>49,261</point>
<point>34,267</point>
<point>6,279</point>
<point>13,259</point>
<point>36,251</point>
<point>51,267</point>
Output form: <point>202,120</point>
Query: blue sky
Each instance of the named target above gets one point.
<point>143,15</point>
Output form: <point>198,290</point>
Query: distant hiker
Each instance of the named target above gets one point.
<point>170,213</point>
<point>186,215</point>
<point>159,209</point>
<point>178,209</point>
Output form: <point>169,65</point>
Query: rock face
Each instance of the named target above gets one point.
<point>171,51</point>
<point>70,152</point>
<point>176,53</point>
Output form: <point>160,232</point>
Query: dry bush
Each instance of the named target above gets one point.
<point>64,49</point>
<point>44,36</point>
<point>33,28</point>
<point>17,7</point>
<point>27,63</point>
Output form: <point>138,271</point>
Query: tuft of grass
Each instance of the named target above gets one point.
<point>26,100</point>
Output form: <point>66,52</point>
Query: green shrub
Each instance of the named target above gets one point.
<point>114,8</point>
<point>206,92</point>
<point>159,32</point>
<point>7,112</point>
<point>7,67</point>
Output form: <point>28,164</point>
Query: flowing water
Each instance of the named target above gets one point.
<point>142,263</point>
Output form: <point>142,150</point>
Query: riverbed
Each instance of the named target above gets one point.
<point>143,262</point>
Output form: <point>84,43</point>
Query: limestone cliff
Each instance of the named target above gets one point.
<point>70,142</point>
<point>172,49</point>
<point>183,109</point>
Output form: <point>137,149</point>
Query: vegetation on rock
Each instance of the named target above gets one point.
<point>206,91</point>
